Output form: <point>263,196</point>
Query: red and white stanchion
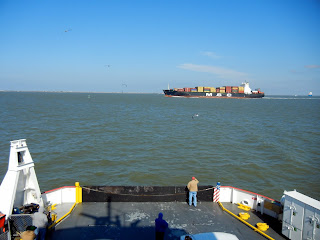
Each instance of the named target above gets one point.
<point>216,193</point>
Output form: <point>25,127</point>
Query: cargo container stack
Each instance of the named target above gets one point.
<point>200,89</point>
<point>179,89</point>
<point>241,89</point>
<point>228,89</point>
<point>235,90</point>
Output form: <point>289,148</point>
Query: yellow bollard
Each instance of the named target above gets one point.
<point>244,207</point>
<point>54,217</point>
<point>262,226</point>
<point>78,192</point>
<point>53,207</point>
<point>244,216</point>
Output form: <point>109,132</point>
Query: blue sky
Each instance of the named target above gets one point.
<point>142,46</point>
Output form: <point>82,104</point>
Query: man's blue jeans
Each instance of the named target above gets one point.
<point>41,233</point>
<point>194,196</point>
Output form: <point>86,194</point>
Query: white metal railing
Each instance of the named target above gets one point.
<point>253,200</point>
<point>61,195</point>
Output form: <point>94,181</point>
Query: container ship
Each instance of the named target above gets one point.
<point>242,91</point>
<point>128,212</point>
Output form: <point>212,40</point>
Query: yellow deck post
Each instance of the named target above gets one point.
<point>78,192</point>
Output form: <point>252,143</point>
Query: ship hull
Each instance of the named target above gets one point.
<point>173,93</point>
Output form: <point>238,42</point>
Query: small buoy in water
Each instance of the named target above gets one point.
<point>195,115</point>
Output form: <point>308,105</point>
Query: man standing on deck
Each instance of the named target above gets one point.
<point>40,220</point>
<point>193,189</point>
<point>161,226</point>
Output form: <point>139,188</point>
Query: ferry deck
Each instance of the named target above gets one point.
<point>135,220</point>
<point>129,212</point>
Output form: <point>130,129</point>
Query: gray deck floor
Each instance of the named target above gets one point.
<point>62,209</point>
<point>132,220</point>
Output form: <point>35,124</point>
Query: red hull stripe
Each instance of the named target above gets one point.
<point>58,189</point>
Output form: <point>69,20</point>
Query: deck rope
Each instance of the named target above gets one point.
<point>144,195</point>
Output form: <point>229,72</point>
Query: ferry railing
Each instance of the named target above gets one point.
<point>63,195</point>
<point>60,195</point>
<point>256,201</point>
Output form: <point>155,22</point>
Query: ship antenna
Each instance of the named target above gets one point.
<point>168,87</point>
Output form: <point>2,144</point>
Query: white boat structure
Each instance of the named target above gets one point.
<point>310,94</point>
<point>128,212</point>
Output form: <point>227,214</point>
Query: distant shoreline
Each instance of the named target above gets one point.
<point>271,95</point>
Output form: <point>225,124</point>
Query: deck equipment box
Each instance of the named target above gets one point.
<point>301,216</point>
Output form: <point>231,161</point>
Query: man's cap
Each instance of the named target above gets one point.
<point>193,178</point>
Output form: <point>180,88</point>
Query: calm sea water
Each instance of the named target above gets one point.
<point>262,145</point>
